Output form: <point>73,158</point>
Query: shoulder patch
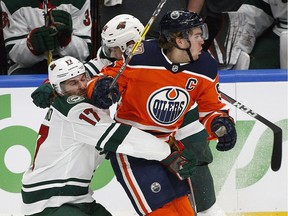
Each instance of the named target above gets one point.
<point>74,99</point>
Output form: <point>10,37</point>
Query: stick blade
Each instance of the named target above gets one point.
<point>277,150</point>
<point>276,157</point>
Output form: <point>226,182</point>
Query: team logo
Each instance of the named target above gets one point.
<point>52,66</point>
<point>166,105</point>
<point>175,68</point>
<point>104,28</point>
<point>121,25</point>
<point>139,50</point>
<point>74,99</point>
<point>175,15</point>
<point>155,187</point>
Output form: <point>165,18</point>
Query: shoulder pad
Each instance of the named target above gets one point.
<point>65,103</point>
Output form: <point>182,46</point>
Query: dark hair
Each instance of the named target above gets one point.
<point>168,44</point>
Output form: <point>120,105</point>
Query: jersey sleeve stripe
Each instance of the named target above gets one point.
<point>117,138</point>
<point>99,144</point>
<point>110,141</point>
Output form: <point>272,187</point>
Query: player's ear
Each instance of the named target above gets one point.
<point>181,42</point>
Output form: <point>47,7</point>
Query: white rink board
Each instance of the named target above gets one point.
<point>267,194</point>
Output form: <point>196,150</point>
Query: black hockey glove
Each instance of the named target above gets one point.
<point>43,95</point>
<point>224,129</point>
<point>103,96</point>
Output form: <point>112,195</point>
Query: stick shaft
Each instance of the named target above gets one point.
<point>46,16</point>
<point>137,44</point>
<point>192,197</point>
<point>95,30</point>
<point>277,131</point>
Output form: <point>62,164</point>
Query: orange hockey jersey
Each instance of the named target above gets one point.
<point>156,93</point>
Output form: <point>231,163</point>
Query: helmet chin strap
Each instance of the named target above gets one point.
<point>190,56</point>
<point>187,50</point>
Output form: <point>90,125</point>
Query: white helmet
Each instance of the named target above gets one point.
<point>63,69</point>
<point>120,30</point>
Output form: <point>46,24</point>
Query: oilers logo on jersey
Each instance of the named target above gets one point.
<point>166,105</point>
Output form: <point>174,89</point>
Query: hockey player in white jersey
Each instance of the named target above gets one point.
<point>28,37</point>
<point>69,143</point>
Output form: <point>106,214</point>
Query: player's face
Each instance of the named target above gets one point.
<point>115,52</point>
<point>196,40</point>
<point>75,86</point>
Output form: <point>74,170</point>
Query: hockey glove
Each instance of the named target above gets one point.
<point>41,40</point>
<point>224,129</point>
<point>62,20</point>
<point>103,96</point>
<point>43,95</point>
<point>178,163</point>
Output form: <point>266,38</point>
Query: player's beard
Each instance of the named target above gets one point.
<point>83,93</point>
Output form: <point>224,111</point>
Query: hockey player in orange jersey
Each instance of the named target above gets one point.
<point>191,132</point>
<point>159,86</point>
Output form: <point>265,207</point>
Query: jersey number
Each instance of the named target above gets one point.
<point>85,116</point>
<point>87,19</point>
<point>43,133</point>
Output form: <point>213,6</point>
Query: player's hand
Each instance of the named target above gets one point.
<point>225,131</point>
<point>43,95</point>
<point>42,39</point>
<point>103,95</point>
<point>62,20</point>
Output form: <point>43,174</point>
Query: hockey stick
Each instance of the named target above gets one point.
<point>136,45</point>
<point>277,131</point>
<point>95,30</point>
<point>191,197</point>
<point>46,17</point>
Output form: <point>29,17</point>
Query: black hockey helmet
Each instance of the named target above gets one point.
<point>179,21</point>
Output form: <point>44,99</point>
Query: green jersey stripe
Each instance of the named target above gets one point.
<point>117,138</point>
<point>55,182</point>
<point>190,116</point>
<point>44,194</point>
<point>98,145</point>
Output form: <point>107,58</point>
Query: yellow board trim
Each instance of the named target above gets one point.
<point>259,214</point>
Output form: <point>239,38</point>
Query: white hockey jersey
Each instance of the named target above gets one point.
<point>21,17</point>
<point>66,154</point>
